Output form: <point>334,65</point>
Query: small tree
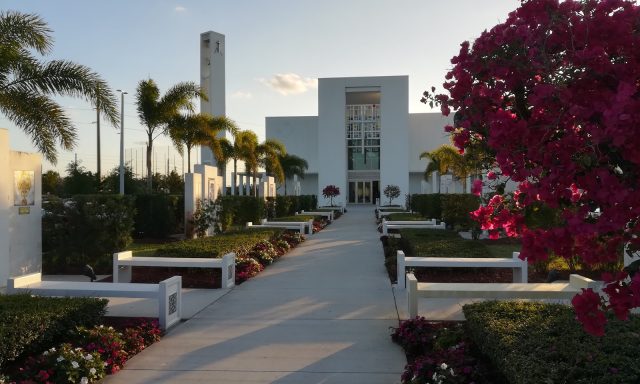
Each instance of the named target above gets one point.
<point>331,191</point>
<point>391,192</point>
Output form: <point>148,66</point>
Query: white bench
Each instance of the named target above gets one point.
<point>167,292</point>
<point>496,291</point>
<point>428,224</point>
<point>520,267</point>
<point>300,226</point>
<point>327,214</point>
<point>124,261</point>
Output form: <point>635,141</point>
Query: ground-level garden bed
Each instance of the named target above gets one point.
<point>66,340</point>
<point>518,343</point>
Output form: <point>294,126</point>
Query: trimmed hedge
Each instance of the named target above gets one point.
<point>29,325</point>
<point>297,218</point>
<point>219,245</point>
<point>532,343</point>
<point>289,205</point>
<point>403,216</point>
<point>429,206</point>
<point>158,215</point>
<point>456,209</point>
<point>85,229</point>
<point>453,209</point>
<point>440,243</point>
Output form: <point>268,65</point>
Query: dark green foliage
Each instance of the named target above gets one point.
<point>543,343</point>
<point>216,246</point>
<point>456,209</point>
<point>440,243</point>
<point>158,215</point>
<point>241,209</point>
<point>297,218</point>
<point>79,180</point>
<point>85,229</point>
<point>429,206</point>
<point>453,209</point>
<point>403,216</point>
<point>289,205</point>
<point>29,325</point>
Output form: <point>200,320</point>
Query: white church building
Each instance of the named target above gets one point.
<point>363,139</point>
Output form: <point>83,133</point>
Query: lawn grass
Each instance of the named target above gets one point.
<point>502,247</point>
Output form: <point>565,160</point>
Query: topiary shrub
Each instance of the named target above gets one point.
<point>533,343</point>
<point>429,206</point>
<point>456,209</point>
<point>158,215</point>
<point>29,325</point>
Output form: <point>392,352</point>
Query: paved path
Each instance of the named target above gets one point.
<point>319,315</point>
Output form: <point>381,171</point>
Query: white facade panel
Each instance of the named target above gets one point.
<point>426,133</point>
<point>299,134</point>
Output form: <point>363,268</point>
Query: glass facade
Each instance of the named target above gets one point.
<point>363,137</point>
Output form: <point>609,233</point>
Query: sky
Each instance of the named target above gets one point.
<point>275,52</point>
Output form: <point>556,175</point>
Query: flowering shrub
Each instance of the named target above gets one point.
<point>551,98</point>
<point>264,252</point>
<point>391,192</point>
<point>108,343</point>
<point>331,191</point>
<point>292,238</point>
<point>141,334</point>
<point>437,352</point>
<point>281,246</point>
<point>64,364</point>
<point>246,268</point>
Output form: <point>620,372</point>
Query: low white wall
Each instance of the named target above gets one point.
<point>20,214</point>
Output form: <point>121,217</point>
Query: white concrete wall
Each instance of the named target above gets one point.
<point>6,204</point>
<point>212,81</point>
<point>332,153</point>
<point>192,193</point>
<point>208,175</point>
<point>426,133</point>
<point>394,143</point>
<point>299,134</point>
<point>20,232</point>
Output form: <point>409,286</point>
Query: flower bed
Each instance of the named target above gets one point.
<point>440,352</point>
<point>56,340</point>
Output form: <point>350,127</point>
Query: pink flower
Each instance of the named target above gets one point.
<point>476,188</point>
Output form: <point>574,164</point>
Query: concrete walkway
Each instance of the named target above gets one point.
<point>319,315</point>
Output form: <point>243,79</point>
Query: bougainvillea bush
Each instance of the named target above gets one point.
<point>551,98</point>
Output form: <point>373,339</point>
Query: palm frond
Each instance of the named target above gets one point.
<point>25,30</point>
<point>40,118</point>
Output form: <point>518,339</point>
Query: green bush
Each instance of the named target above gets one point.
<point>297,218</point>
<point>238,210</point>
<point>158,215</point>
<point>429,206</point>
<point>532,343</point>
<point>456,209</point>
<point>440,243</point>
<point>216,246</point>
<point>285,206</point>
<point>403,216</point>
<point>29,325</point>
<point>85,229</point>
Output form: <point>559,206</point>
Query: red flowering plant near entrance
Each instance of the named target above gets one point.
<point>330,191</point>
<point>552,96</point>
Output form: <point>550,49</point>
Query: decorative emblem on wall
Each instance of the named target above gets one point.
<point>24,188</point>
<point>173,303</point>
<point>212,189</point>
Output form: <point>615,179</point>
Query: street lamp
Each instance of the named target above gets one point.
<point>122,93</point>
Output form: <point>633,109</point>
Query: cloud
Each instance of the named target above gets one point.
<point>180,8</point>
<point>290,83</point>
<point>241,95</point>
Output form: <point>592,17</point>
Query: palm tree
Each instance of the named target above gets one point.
<point>245,148</point>
<point>223,151</point>
<point>447,159</point>
<point>27,86</point>
<point>196,129</point>
<point>292,165</point>
<point>269,153</point>
<point>156,112</point>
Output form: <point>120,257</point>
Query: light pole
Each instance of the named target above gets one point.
<point>122,93</point>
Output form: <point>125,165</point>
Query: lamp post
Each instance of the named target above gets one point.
<point>122,93</point>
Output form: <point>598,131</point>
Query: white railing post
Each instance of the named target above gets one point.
<point>412,293</point>
<point>400,270</point>
<point>521,273</point>
<point>170,302</point>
